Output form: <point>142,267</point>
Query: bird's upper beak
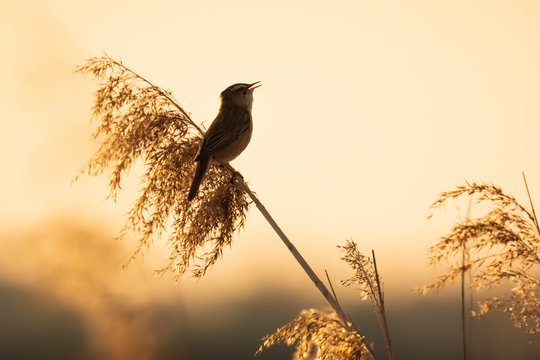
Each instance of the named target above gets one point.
<point>255,85</point>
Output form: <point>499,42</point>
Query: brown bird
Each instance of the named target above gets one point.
<point>229,133</point>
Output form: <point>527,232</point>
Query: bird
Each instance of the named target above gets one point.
<point>230,132</point>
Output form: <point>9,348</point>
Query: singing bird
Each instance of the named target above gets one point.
<point>230,132</point>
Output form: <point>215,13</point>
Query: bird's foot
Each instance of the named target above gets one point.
<point>236,174</point>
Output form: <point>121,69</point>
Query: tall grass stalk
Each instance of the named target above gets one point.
<point>464,259</point>
<point>384,322</point>
<point>531,202</point>
<point>463,316</point>
<point>366,276</point>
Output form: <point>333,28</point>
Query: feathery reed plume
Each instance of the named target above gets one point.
<point>366,277</point>
<point>320,335</point>
<point>138,120</point>
<point>504,247</point>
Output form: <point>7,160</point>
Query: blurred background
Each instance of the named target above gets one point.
<point>367,111</point>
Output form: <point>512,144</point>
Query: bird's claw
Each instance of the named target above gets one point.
<point>235,175</point>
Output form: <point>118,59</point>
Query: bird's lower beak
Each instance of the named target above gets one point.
<point>254,86</point>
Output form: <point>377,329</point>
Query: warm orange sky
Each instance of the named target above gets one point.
<point>368,111</point>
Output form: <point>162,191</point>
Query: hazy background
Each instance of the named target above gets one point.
<point>368,110</point>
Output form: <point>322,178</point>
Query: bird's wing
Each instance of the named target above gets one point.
<point>225,129</point>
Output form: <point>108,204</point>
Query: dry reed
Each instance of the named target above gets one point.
<point>503,247</point>
<point>320,334</point>
<point>138,120</point>
<point>366,278</point>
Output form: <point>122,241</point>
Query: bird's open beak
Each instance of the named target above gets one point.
<point>254,86</point>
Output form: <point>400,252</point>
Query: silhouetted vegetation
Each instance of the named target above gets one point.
<point>502,247</point>
<point>138,120</point>
<point>141,121</point>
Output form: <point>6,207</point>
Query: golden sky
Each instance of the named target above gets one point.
<point>367,111</point>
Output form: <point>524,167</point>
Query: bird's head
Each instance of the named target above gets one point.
<point>240,94</point>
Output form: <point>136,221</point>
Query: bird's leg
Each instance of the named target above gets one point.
<point>236,174</point>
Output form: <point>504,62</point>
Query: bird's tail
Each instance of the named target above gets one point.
<point>199,174</point>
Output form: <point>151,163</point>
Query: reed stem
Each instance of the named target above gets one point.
<point>332,301</point>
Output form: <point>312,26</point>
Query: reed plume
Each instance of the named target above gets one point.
<point>321,335</point>
<point>367,280</point>
<point>141,121</point>
<point>503,247</point>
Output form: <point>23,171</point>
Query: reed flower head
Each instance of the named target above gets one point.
<point>364,276</point>
<point>140,121</point>
<point>321,335</point>
<point>503,247</point>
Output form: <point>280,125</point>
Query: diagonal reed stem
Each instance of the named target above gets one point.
<point>159,90</point>
<point>332,301</point>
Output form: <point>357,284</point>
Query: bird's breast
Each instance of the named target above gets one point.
<point>237,146</point>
